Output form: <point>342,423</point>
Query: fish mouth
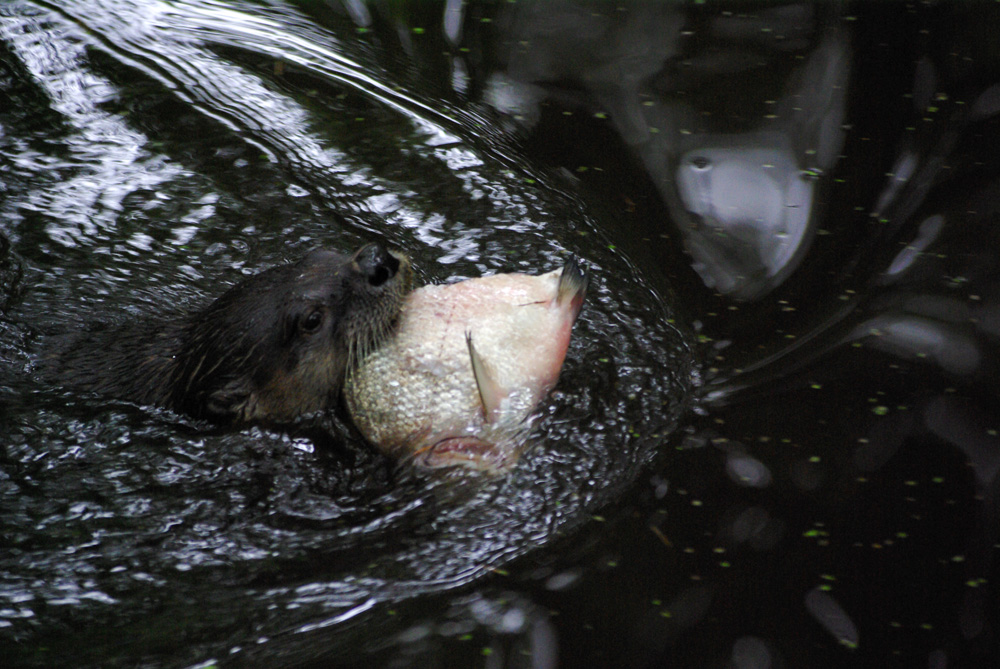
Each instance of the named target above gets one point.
<point>469,452</point>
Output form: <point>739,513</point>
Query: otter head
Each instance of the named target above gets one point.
<point>279,344</point>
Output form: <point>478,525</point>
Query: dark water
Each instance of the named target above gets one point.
<point>774,442</point>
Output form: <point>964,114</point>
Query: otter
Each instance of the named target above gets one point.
<point>273,347</point>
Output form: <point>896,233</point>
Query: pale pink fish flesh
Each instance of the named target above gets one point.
<point>469,362</point>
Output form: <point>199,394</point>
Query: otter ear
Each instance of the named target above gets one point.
<point>230,402</point>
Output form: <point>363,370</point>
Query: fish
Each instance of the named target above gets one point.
<point>456,384</point>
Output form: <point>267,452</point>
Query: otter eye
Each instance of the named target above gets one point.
<point>312,321</point>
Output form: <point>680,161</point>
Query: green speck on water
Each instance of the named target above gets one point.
<point>599,519</point>
<point>418,31</point>
<point>465,637</point>
<point>487,651</point>
<point>880,410</point>
<point>600,115</point>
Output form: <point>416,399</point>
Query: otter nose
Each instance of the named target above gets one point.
<point>376,264</point>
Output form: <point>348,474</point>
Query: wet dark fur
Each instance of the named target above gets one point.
<point>271,348</point>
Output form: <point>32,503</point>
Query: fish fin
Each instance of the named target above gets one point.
<point>490,392</point>
<point>573,282</point>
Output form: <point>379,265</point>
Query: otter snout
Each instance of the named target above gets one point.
<point>376,263</point>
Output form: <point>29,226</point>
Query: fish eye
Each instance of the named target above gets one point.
<point>312,321</point>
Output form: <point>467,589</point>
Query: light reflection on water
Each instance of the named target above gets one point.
<point>104,158</point>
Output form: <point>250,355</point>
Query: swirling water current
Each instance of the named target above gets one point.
<point>155,152</point>
<point>774,441</point>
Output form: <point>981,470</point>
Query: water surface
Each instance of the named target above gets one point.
<point>795,205</point>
